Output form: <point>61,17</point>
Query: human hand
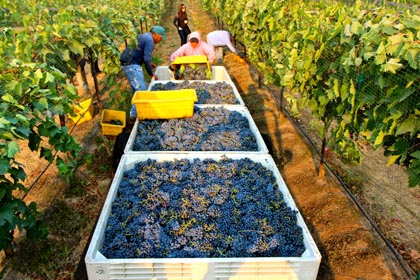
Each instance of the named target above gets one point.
<point>155,77</point>
<point>186,21</point>
<point>179,28</point>
<point>153,65</point>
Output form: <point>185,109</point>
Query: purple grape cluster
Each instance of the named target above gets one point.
<point>207,93</point>
<point>201,209</point>
<point>196,71</point>
<point>209,129</point>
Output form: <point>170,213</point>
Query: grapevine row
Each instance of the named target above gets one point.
<point>354,67</point>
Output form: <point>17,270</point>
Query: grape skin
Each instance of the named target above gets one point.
<point>209,129</point>
<point>200,208</point>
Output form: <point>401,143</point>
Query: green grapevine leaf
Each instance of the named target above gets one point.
<point>3,192</point>
<point>23,132</point>
<point>23,119</point>
<point>379,139</point>
<point>392,160</point>
<point>7,212</point>
<point>357,28</point>
<point>34,141</point>
<point>414,177</point>
<point>38,74</point>
<point>392,65</point>
<point>9,98</point>
<point>411,125</point>
<point>42,104</point>
<point>380,57</point>
<point>77,47</point>
<point>388,29</point>
<point>4,166</point>
<point>411,57</point>
<point>12,149</point>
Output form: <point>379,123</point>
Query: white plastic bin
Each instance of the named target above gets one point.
<point>262,148</point>
<point>219,73</point>
<point>100,268</point>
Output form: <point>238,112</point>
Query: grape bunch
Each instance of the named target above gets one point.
<point>207,93</point>
<point>192,208</point>
<point>209,129</point>
<point>114,122</point>
<point>194,71</point>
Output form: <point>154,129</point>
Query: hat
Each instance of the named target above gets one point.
<point>159,30</point>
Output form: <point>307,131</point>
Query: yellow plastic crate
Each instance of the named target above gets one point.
<point>191,59</point>
<point>83,111</point>
<point>112,115</point>
<point>166,104</point>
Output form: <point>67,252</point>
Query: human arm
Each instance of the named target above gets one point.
<point>175,21</point>
<point>178,52</point>
<point>147,57</point>
<point>208,50</point>
<point>231,47</point>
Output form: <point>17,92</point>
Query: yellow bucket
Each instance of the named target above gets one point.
<point>83,111</point>
<point>112,122</point>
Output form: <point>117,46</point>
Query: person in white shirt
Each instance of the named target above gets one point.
<point>221,38</point>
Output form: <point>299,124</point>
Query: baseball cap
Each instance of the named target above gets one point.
<point>159,30</point>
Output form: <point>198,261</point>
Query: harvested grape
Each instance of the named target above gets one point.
<point>209,129</point>
<point>207,93</point>
<point>193,71</point>
<point>201,209</point>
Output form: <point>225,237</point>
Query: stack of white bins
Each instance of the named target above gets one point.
<point>99,267</point>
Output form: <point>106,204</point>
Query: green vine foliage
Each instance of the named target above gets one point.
<point>29,90</point>
<point>235,18</point>
<point>40,47</point>
<point>354,67</point>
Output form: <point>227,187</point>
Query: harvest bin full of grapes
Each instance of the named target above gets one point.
<point>208,92</point>
<point>200,216</point>
<point>210,129</point>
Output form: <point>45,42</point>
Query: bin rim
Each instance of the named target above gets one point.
<point>191,59</point>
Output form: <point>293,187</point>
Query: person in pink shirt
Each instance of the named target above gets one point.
<point>195,46</point>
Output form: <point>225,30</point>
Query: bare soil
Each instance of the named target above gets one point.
<point>350,247</point>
